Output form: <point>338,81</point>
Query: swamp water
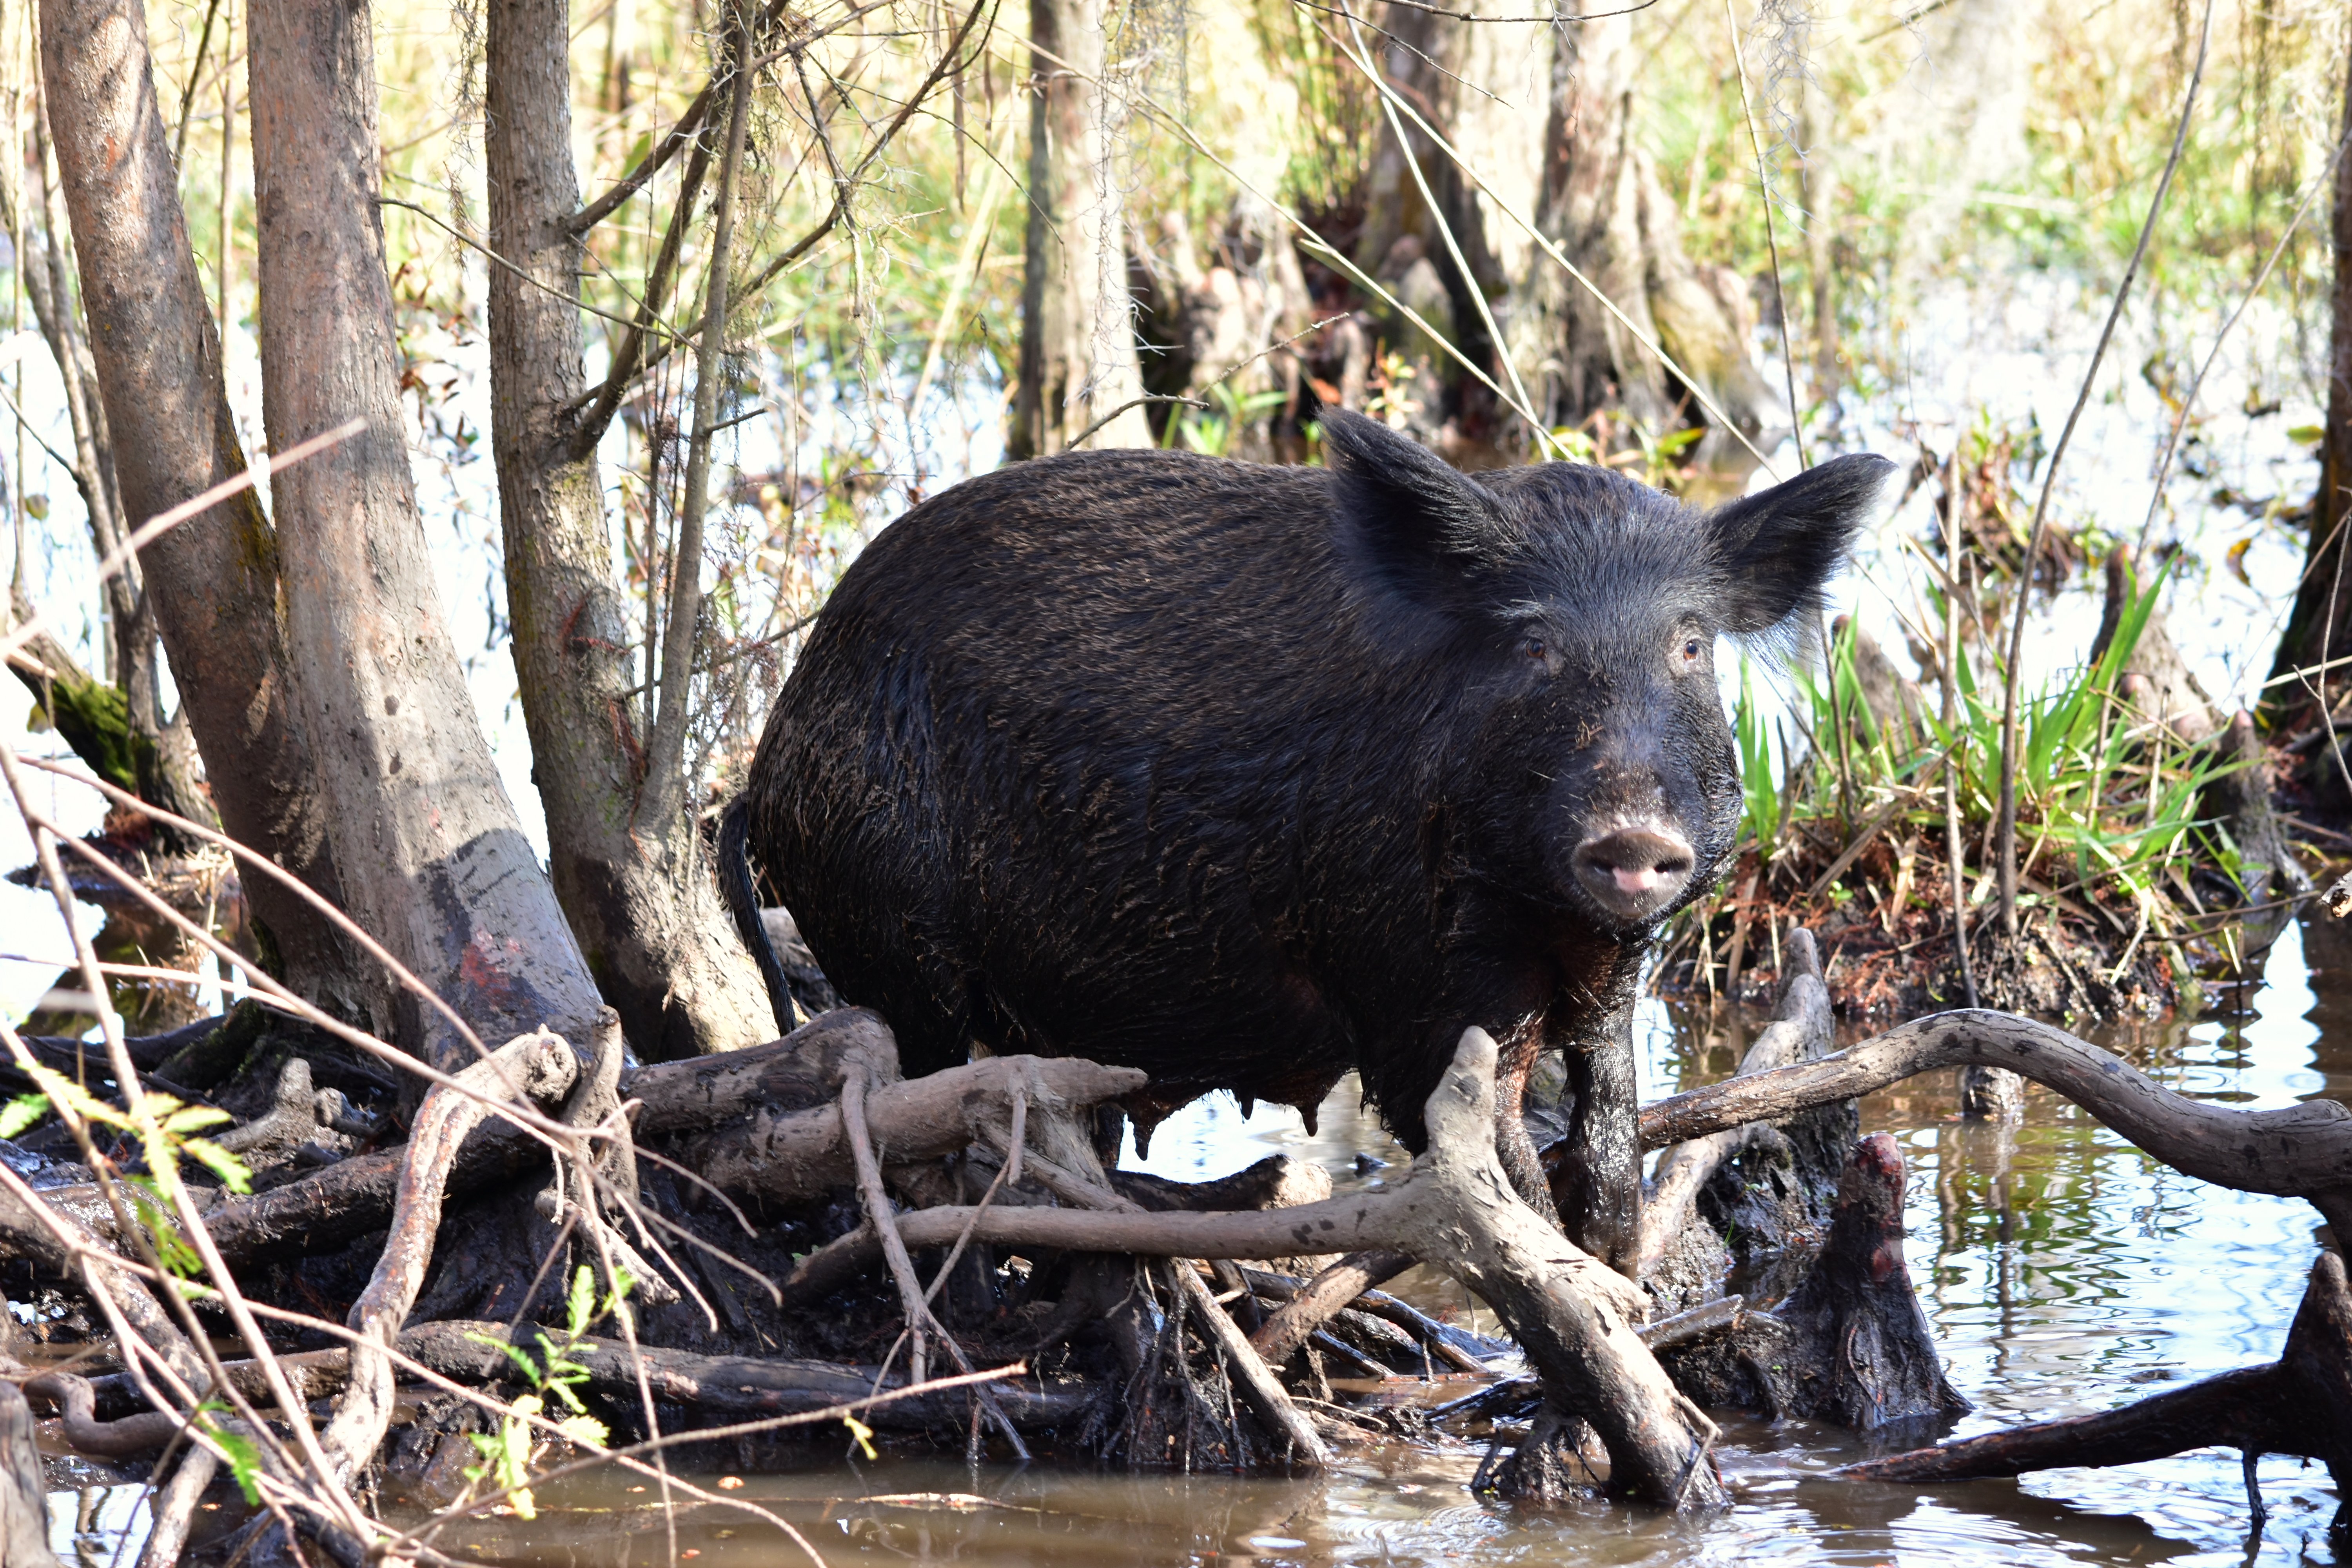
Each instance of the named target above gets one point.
<point>2062,1270</point>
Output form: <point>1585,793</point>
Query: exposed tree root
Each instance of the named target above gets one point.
<point>2301,1404</point>
<point>1851,1346</point>
<point>2297,1150</point>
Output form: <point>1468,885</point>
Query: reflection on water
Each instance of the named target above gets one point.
<point>2063,1271</point>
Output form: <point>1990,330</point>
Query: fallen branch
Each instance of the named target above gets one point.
<point>2301,1405</point>
<point>2297,1150</point>
<point>920,1322</point>
<point>532,1066</point>
<point>1323,1298</point>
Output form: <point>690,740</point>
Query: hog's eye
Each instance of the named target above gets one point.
<point>1691,651</point>
<point>1536,648</point>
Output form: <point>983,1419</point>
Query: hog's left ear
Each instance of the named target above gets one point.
<point>1779,547</point>
<point>1406,517</point>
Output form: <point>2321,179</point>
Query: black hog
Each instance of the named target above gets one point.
<point>1247,776</point>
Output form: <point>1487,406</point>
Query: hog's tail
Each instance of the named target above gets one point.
<point>744,903</point>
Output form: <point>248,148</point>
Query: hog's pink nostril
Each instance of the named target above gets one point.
<point>1636,870</point>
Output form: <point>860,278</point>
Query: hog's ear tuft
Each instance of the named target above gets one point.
<point>1778,548</point>
<point>1406,517</point>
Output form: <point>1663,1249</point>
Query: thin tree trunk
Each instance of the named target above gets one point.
<point>160,755</point>
<point>1077,332</point>
<point>2320,629</point>
<point>433,861</point>
<point>637,892</point>
<point>213,580</point>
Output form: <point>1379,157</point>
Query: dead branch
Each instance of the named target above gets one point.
<point>2301,1404</point>
<point>2297,1150</point>
<point>792,1156</point>
<point>921,1325</point>
<point>1286,1333</point>
<point>539,1065</point>
<point>173,1509</point>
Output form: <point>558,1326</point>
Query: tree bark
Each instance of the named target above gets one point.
<point>433,861</point>
<point>638,893</point>
<point>1601,200</point>
<point>213,580</point>
<point>1077,330</point>
<point>23,1498</point>
<point>2320,627</point>
<point>159,756</point>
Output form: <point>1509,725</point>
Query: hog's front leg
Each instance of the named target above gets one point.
<point>1597,1183</point>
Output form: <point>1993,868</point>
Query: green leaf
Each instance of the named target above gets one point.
<point>244,1460</point>
<point>521,1358</point>
<point>196,1118</point>
<point>584,1430</point>
<point>22,1112</point>
<point>580,1310</point>
<point>235,1174</point>
<point>64,1092</point>
<point>2303,435</point>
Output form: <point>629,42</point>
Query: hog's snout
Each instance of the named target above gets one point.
<point>1636,871</point>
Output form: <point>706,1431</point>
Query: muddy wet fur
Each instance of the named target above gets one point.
<point>1249,776</point>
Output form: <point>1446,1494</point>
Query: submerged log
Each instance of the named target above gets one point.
<point>2301,1405</point>
<point>1851,1346</point>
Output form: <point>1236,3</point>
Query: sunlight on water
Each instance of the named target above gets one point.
<point>2062,1270</point>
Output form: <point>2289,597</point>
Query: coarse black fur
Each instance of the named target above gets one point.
<point>1249,776</point>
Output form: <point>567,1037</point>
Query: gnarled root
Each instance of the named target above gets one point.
<point>1851,1346</point>
<point>2301,1404</point>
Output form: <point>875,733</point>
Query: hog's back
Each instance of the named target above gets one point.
<point>1099,755</point>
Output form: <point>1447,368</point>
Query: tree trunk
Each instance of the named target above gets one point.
<point>1078,330</point>
<point>1601,200</point>
<point>2320,629</point>
<point>434,862</point>
<point>1545,115</point>
<point>160,755</point>
<point>638,893</point>
<point>214,579</point>
<point>1493,124</point>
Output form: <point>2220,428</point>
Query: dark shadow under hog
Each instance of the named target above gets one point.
<point>1246,775</point>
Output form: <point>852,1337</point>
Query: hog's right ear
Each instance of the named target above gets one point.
<point>1407,518</point>
<point>1779,547</point>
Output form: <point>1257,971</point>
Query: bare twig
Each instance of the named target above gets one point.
<point>665,785</point>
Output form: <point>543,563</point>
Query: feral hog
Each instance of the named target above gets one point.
<point>1247,776</point>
